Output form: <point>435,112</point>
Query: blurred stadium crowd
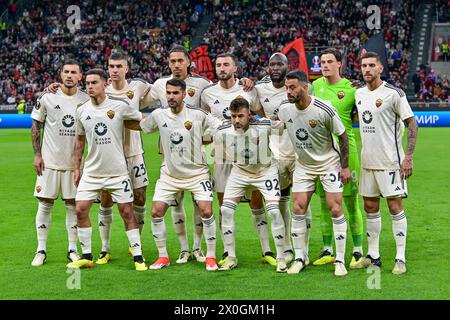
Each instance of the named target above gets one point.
<point>35,45</point>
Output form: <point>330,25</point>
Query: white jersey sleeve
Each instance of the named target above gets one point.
<point>40,109</point>
<point>150,124</point>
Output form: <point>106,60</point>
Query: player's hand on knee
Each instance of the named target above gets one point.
<point>53,87</point>
<point>345,175</point>
<point>407,167</point>
<point>38,164</point>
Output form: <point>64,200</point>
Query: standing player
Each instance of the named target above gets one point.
<point>179,63</point>
<point>340,93</point>
<point>271,93</point>
<point>137,93</point>
<point>100,121</point>
<point>54,163</point>
<point>310,123</point>
<point>245,144</point>
<point>216,99</point>
<point>385,167</point>
<point>184,168</point>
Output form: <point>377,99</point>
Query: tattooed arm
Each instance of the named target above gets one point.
<point>80,140</point>
<point>36,141</point>
<point>343,146</point>
<point>407,163</point>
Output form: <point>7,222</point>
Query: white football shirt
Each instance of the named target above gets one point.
<point>194,86</point>
<point>133,92</point>
<point>216,99</point>
<point>181,139</point>
<point>270,98</point>
<point>310,131</point>
<point>381,113</point>
<point>57,112</point>
<point>248,151</point>
<point>103,127</point>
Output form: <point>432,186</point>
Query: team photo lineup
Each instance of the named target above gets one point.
<point>302,159</point>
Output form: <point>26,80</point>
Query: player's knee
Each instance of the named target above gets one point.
<point>157,212</point>
<point>206,212</point>
<point>139,197</point>
<point>335,209</point>
<point>371,207</point>
<point>395,206</point>
<point>299,208</point>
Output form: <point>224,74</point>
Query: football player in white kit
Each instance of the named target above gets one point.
<point>179,63</point>
<point>216,99</point>
<point>137,93</point>
<point>245,144</point>
<point>271,93</point>
<point>382,108</point>
<point>100,122</point>
<point>310,123</point>
<point>54,160</point>
<point>184,168</point>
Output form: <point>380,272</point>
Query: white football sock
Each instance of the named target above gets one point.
<point>399,228</point>
<point>43,221</point>
<point>340,236</point>
<point>85,236</point>
<point>71,226</point>
<point>228,227</point>
<point>210,235</point>
<point>259,218</point>
<point>373,234</point>
<point>104,223</point>
<point>159,234</point>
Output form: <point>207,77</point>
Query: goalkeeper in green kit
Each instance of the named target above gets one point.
<point>341,94</point>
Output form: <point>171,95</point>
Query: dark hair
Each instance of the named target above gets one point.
<point>97,71</point>
<point>177,83</point>
<point>70,61</point>
<point>336,53</point>
<point>297,74</point>
<point>118,55</point>
<point>228,54</point>
<point>370,54</point>
<point>178,48</point>
<point>238,104</point>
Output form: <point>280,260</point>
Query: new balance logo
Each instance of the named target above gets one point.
<point>400,234</point>
<point>279,237</point>
<point>58,107</point>
<point>211,239</point>
<point>88,118</point>
<point>228,232</point>
<point>179,221</point>
<point>341,237</point>
<point>165,125</point>
<point>135,245</point>
<point>290,121</point>
<point>397,188</point>
<point>42,226</point>
<point>216,102</point>
<point>267,100</point>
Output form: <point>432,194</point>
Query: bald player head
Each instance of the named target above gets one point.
<point>278,67</point>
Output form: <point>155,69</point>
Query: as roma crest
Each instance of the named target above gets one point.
<point>341,94</point>
<point>188,125</point>
<point>313,123</point>
<point>38,189</point>
<point>110,114</point>
<point>378,103</point>
<point>130,94</point>
<point>191,92</point>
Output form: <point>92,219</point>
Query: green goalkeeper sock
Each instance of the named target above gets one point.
<point>326,224</point>
<point>355,219</point>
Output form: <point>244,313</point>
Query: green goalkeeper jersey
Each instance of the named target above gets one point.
<point>342,96</point>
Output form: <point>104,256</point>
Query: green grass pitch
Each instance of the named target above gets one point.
<point>427,246</point>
